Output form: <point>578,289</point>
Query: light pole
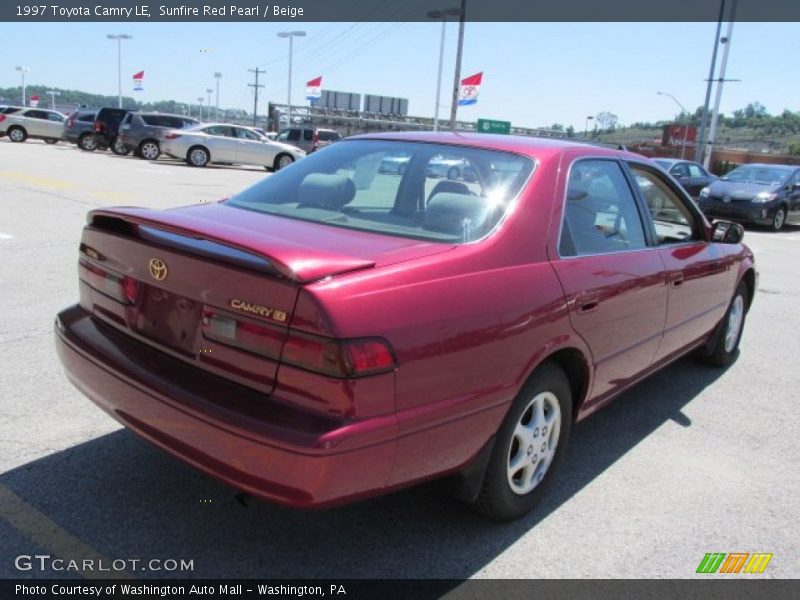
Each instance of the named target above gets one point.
<point>208,110</point>
<point>712,132</point>
<point>200,101</point>
<point>462,16</point>
<point>686,125</point>
<point>217,76</point>
<point>119,37</point>
<point>53,95</point>
<point>440,14</point>
<point>586,126</point>
<point>291,35</point>
<point>22,71</point>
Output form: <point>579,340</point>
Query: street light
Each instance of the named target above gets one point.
<point>217,76</point>
<point>53,95</point>
<point>462,17</point>
<point>119,37</point>
<point>686,126</point>
<point>22,71</point>
<point>441,14</point>
<point>208,110</point>
<point>291,35</point>
<point>586,126</point>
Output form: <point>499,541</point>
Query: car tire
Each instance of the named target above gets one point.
<point>197,156</point>
<point>778,219</point>
<point>452,173</point>
<point>51,141</point>
<point>148,150</point>
<point>723,348</point>
<point>528,446</point>
<point>282,161</point>
<point>17,134</point>
<point>87,142</point>
<point>118,148</point>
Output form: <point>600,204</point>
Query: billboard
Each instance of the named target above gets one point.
<point>676,136</point>
<point>339,100</point>
<point>387,105</point>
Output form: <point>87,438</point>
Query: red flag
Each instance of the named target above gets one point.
<point>470,87</point>
<point>34,101</point>
<point>139,75</point>
<point>473,79</point>
<point>315,82</point>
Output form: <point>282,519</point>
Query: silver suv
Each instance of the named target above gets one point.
<point>308,138</point>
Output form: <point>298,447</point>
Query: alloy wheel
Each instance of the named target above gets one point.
<point>735,320</point>
<point>534,443</point>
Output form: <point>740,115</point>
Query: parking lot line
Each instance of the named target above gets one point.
<point>47,535</point>
<point>45,182</point>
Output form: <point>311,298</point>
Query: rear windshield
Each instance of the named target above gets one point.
<point>425,191</point>
<point>327,136</point>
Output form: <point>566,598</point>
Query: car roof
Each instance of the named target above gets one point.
<point>534,147</point>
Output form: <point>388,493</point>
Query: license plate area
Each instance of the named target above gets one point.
<point>169,319</point>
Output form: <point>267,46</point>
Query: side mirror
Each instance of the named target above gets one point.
<point>726,232</point>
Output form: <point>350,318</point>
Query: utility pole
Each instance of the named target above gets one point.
<point>255,86</point>
<point>457,82</point>
<point>701,142</point>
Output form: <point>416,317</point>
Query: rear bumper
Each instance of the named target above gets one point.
<point>231,432</point>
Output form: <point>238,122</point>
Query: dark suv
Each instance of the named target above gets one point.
<point>308,138</point>
<point>106,129</point>
<point>141,131</point>
<point>79,129</point>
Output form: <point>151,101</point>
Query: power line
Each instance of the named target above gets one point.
<point>255,86</point>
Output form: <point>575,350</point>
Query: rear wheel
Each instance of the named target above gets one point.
<point>282,161</point>
<point>778,219</point>
<point>149,150</point>
<point>528,446</point>
<point>118,148</point>
<point>725,342</point>
<point>17,134</point>
<point>198,156</point>
<point>87,142</point>
<point>51,141</point>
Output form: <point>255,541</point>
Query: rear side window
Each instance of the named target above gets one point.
<point>293,135</point>
<point>308,135</point>
<point>600,213</point>
<point>36,114</point>
<point>327,136</point>
<point>87,118</point>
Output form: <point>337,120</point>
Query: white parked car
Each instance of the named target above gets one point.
<point>232,144</point>
<point>47,125</point>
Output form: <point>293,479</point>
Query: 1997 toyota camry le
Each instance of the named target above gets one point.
<point>335,332</point>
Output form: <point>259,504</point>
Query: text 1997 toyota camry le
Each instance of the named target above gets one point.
<point>335,332</point>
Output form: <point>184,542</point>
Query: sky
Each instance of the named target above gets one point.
<point>535,74</point>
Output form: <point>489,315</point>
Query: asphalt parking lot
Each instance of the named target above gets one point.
<point>693,460</point>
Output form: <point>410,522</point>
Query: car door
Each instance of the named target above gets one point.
<point>54,126</point>
<point>613,281</point>
<point>252,150</point>
<point>223,145</point>
<point>793,199</point>
<point>34,122</point>
<point>697,271</point>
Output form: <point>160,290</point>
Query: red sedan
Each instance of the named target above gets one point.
<point>338,331</point>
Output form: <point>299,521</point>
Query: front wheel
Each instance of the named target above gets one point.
<point>725,343</point>
<point>118,148</point>
<point>282,161</point>
<point>149,150</point>
<point>778,219</point>
<point>528,446</point>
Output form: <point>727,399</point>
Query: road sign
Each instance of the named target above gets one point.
<point>489,126</point>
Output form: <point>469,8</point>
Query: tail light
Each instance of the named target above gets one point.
<point>338,358</point>
<point>98,127</point>
<point>121,288</point>
<point>316,139</point>
<point>2,118</point>
<point>172,136</point>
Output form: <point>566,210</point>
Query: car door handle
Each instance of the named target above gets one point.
<point>587,302</point>
<point>676,279</point>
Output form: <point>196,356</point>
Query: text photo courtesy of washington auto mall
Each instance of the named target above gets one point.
<point>430,299</point>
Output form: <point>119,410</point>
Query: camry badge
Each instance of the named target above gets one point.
<point>158,269</point>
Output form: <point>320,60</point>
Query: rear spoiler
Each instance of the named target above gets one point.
<point>292,260</point>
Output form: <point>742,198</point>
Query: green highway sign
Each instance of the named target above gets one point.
<point>489,126</point>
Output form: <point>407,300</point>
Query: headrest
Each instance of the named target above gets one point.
<point>456,214</point>
<point>452,187</point>
<point>321,190</point>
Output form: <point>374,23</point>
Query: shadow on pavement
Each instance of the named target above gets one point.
<point>126,499</point>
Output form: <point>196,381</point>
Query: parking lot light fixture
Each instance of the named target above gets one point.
<point>53,94</point>
<point>200,101</point>
<point>291,35</point>
<point>208,105</point>
<point>119,37</point>
<point>22,71</point>
<point>586,126</point>
<point>686,125</point>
